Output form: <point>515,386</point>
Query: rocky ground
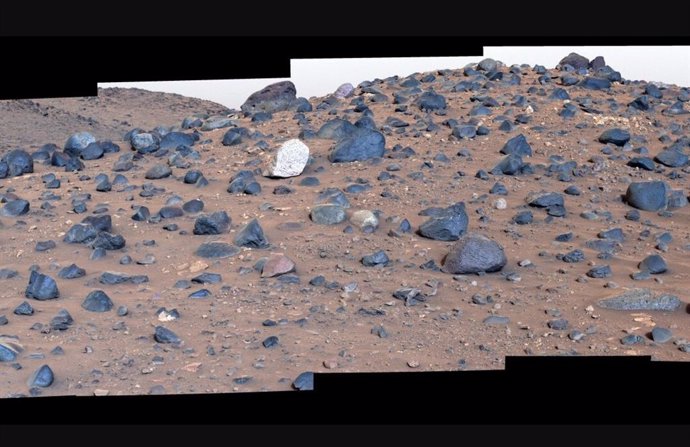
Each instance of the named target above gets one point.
<point>439,221</point>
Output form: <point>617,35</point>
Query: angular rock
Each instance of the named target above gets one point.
<point>272,98</point>
<point>18,162</point>
<point>653,264</point>
<point>575,60</point>
<point>327,214</point>
<point>545,199</point>
<point>43,377</point>
<point>252,236</point>
<point>62,321</point>
<point>108,241</point>
<point>448,225</point>
<point>80,233</point>
<point>165,335</point>
<point>475,253</point>
<point>377,258</point>
<point>15,208</point>
<point>216,250</point>
<point>517,145</point>
<point>362,144</point>
<point>289,160</point>
<point>602,271</point>
<point>641,299</point>
<point>647,196</point>
<point>214,223</point>
<point>430,101</point>
<point>72,271</point>
<point>97,301</point>
<point>364,219</point>
<point>277,264</point>
<point>23,309</point>
<point>41,287</point>
<point>101,223</point>
<point>207,278</point>
<point>510,165</point>
<point>615,136</point>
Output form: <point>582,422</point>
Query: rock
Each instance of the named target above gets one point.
<point>653,264</point>
<point>43,377</point>
<point>488,65</point>
<point>145,142</point>
<point>304,382</point>
<point>377,258</point>
<point>8,273</point>
<point>165,335</point>
<point>207,278</point>
<point>62,321</point>
<point>364,219</point>
<point>101,223</point>
<point>201,293</point>
<point>545,200</point>
<point>510,165</point>
<point>78,142</point>
<point>41,287</point>
<point>171,212</point>
<point>97,301</point>
<point>661,335</point>
<point>217,122</point>
<point>289,160</point>
<point>8,350</point>
<point>575,60</point>
<point>517,145</point>
<point>641,299</point>
<point>613,234</point>
<point>270,342</point>
<point>72,271</point>
<point>430,101</point>
<point>215,223</point>
<point>590,83</point>
<point>80,233</point>
<point>141,214</point>
<point>108,241</point>
<point>676,109</point>
<point>672,158</point>
<point>474,253</point>
<point>252,236</point>
<point>193,206</point>
<point>277,264</point>
<point>645,163</point>
<point>93,151</point>
<point>410,295</point>
<point>602,271</point>
<point>272,98</point>
<point>615,136</point>
<point>232,137</point>
<point>632,339</point>
<point>333,196</point>
<point>647,196</point>
<point>336,129</point>
<point>523,218</point>
<point>327,214</point>
<point>15,208</point>
<point>3,320</point>
<point>576,255</point>
<point>448,225</point>
<point>560,324</point>
<point>45,245</point>
<point>23,309</point>
<point>18,162</point>
<point>216,250</point>
<point>158,171</point>
<point>362,144</point>
<point>496,320</point>
<point>344,91</point>
<point>173,140</point>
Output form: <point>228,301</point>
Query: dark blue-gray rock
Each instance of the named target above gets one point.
<point>141,214</point>
<point>644,163</point>
<point>640,103</point>
<point>613,234</point>
<point>252,236</point>
<point>560,324</point>
<point>8,353</point>
<point>43,377</point>
<point>653,91</point>
<point>632,339</point>
<point>510,165</point>
<point>576,255</point>
<point>72,271</point>
<point>597,63</point>
<point>216,250</point>
<point>304,382</point>
<point>336,129</point>
<point>217,122</point>
<point>112,278</point>
<point>430,101</point>
<point>93,151</point>
<point>41,287</point>
<point>6,273</point>
<point>661,334</point>
<point>447,225</point>
<point>362,144</point>
<point>474,253</point>
<point>73,164</point>
<point>575,60</point>
<point>62,321</point>
<point>191,177</point>
<point>158,171</point>
<point>23,309</point>
<point>45,245</point>
<point>232,137</point>
<point>654,264</point>
<point>3,320</point>
<point>517,145</point>
<point>601,271</point>
<point>676,199</point>
<point>615,136</point>
<point>122,311</point>
<point>676,109</point>
<point>100,223</point>
<point>214,223</point>
<point>173,140</point>
<point>78,142</point>
<point>201,293</point>
<point>108,241</point>
<point>545,199</point>
<point>464,131</point>
<point>523,218</point>
<point>327,214</point>
<point>170,212</point>
<point>18,162</point>
<point>98,253</point>
<point>410,295</point>
<point>270,341</point>
<point>272,98</point>
<point>673,158</point>
<point>165,335</point>
<point>377,258</point>
<point>647,196</point>
<point>145,142</point>
<point>97,301</point>
<point>193,206</point>
<point>207,278</point>
<point>591,83</point>
<point>641,299</point>
<point>14,208</point>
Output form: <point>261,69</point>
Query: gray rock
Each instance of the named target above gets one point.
<point>661,335</point>
<point>344,91</point>
<point>510,165</point>
<point>575,60</point>
<point>496,320</point>
<point>15,208</point>
<point>72,271</point>
<point>108,241</point>
<point>165,335</point>
<point>8,273</point>
<point>145,143</point>
<point>41,287</point>
<point>289,160</point>
<point>23,309</point>
<point>475,253</point>
<point>97,301</point>
<point>632,339</point>
<point>545,199</point>
<point>377,258</point>
<point>653,264</point>
<point>447,225</point>
<point>158,171</point>
<point>673,158</point>
<point>78,142</point>
<point>517,145</point>
<point>304,382</point>
<point>602,271</point>
<point>327,214</point>
<point>647,196</point>
<point>336,129</point>
<point>272,98</point>
<point>641,299</point>
<point>81,233</point>
<point>214,223</point>
<point>362,144</point>
<point>615,136</point>
<point>216,250</point>
<point>252,236</point>
<point>43,377</point>
<point>18,162</point>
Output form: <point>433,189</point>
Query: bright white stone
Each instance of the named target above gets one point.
<point>364,218</point>
<point>289,160</point>
<point>500,204</point>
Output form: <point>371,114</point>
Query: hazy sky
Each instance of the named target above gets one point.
<point>319,77</point>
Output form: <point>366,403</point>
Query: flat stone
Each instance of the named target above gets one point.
<point>327,214</point>
<point>496,320</point>
<point>641,299</point>
<point>216,250</point>
<point>277,264</point>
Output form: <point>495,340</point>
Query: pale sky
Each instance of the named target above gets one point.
<point>319,77</point>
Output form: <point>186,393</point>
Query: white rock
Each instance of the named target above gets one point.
<point>289,160</point>
<point>344,91</point>
<point>500,204</point>
<point>364,218</point>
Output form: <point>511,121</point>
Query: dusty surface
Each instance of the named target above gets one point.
<point>321,329</point>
